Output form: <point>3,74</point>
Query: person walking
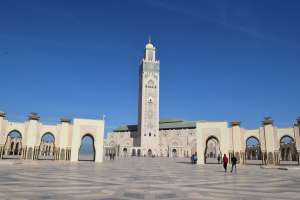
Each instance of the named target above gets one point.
<point>192,159</point>
<point>225,162</point>
<point>233,163</point>
<point>195,158</point>
<point>219,158</point>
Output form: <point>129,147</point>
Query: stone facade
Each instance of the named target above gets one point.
<point>175,142</point>
<point>29,140</point>
<point>267,144</point>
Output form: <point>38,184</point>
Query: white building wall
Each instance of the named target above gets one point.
<point>66,136</point>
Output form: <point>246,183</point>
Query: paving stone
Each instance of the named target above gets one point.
<point>144,178</point>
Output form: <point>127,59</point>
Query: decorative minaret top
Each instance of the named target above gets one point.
<point>149,54</point>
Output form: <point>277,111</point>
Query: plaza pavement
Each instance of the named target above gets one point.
<point>143,178</point>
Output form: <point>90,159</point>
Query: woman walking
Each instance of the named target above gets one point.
<point>225,162</point>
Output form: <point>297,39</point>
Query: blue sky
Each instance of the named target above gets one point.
<point>220,60</point>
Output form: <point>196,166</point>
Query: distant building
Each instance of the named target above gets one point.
<point>178,138</point>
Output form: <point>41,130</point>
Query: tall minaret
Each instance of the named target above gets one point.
<point>148,125</point>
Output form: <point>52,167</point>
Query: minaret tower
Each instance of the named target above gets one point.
<point>148,125</point>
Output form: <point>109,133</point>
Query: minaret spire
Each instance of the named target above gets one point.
<point>149,54</point>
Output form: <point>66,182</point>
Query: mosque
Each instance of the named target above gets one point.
<point>151,136</point>
<point>154,137</point>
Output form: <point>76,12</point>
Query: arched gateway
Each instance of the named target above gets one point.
<point>288,151</point>
<point>13,145</point>
<point>87,148</point>
<point>253,151</point>
<point>87,140</point>
<point>47,147</point>
<point>212,150</point>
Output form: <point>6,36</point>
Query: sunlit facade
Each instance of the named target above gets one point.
<point>32,140</point>
<point>152,136</point>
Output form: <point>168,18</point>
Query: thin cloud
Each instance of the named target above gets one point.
<point>219,18</point>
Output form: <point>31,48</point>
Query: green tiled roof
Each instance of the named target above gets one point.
<point>126,128</point>
<point>163,124</point>
<point>177,125</point>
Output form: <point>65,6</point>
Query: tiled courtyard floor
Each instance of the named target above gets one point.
<point>143,178</point>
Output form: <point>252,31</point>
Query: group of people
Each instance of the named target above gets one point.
<point>225,162</point>
<point>194,158</point>
<point>112,156</point>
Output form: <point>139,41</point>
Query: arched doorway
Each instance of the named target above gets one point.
<point>174,153</point>
<point>125,152</point>
<point>139,152</point>
<point>253,151</point>
<point>212,150</point>
<point>87,149</point>
<point>47,147</point>
<point>150,153</point>
<point>133,152</point>
<point>288,151</point>
<point>13,145</point>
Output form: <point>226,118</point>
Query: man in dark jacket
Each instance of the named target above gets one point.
<point>233,163</point>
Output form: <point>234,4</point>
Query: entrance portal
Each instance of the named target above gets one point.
<point>174,153</point>
<point>150,153</point>
<point>139,152</point>
<point>125,152</point>
<point>253,151</point>
<point>87,149</point>
<point>212,150</point>
<point>133,152</point>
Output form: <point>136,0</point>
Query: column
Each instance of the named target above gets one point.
<point>269,137</point>
<point>2,135</point>
<point>236,140</point>
<point>32,131</point>
<point>64,136</point>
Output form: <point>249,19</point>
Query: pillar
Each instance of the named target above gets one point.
<point>236,140</point>
<point>269,140</point>
<point>32,131</point>
<point>200,144</point>
<point>64,137</point>
<point>2,134</point>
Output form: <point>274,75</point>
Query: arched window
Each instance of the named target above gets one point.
<point>87,148</point>
<point>150,84</point>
